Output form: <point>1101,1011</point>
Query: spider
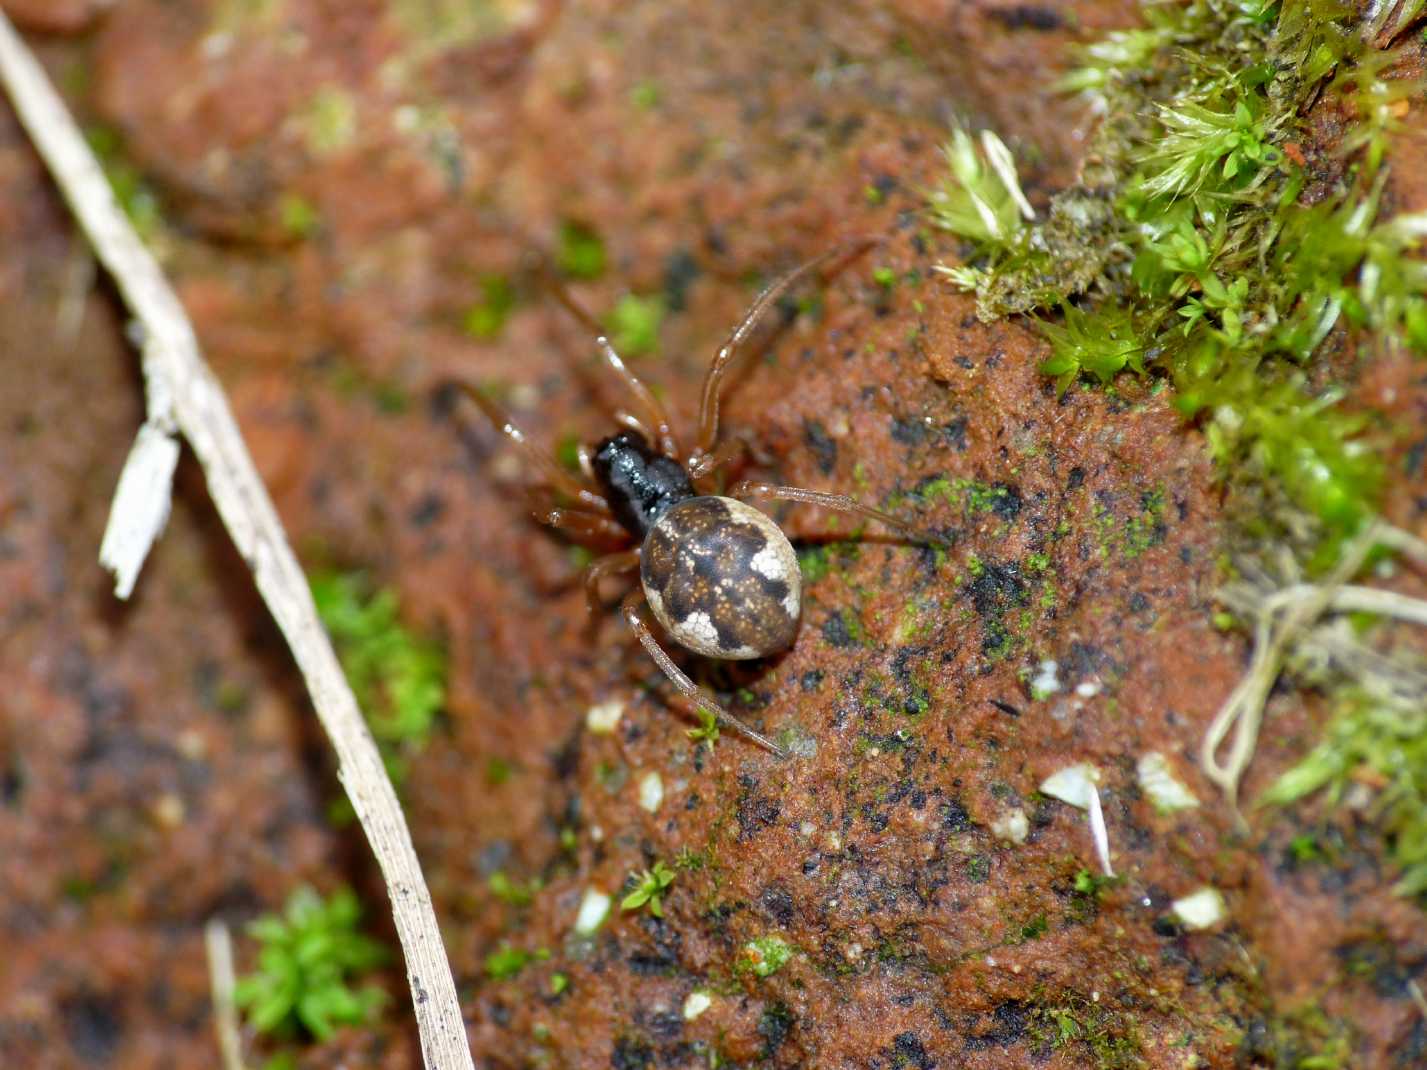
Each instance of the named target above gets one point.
<point>719,576</point>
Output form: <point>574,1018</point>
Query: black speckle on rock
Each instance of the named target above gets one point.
<point>1075,479</point>
<point>1006,502</point>
<point>811,680</point>
<point>836,632</point>
<point>1011,1018</point>
<point>756,813</point>
<point>955,433</point>
<point>908,432</point>
<point>954,817</point>
<point>909,1053</point>
<point>630,1054</point>
<point>429,509</point>
<point>1138,602</point>
<point>823,445</point>
<point>92,1026</point>
<point>680,270</point>
<point>774,1026</point>
<point>777,903</point>
<point>1027,17</point>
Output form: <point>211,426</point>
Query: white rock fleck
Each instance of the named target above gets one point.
<point>594,908</point>
<point>603,718</point>
<point>697,1002</point>
<point>1046,681</point>
<point>1163,789</point>
<point>1012,826</point>
<point>1200,910</point>
<point>651,791</point>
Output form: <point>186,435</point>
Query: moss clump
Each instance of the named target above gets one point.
<point>1389,739</point>
<point>397,676</point>
<point>634,324</point>
<point>580,253</point>
<point>1191,251</point>
<point>305,966</point>
<point>1096,1035</point>
<point>485,319</point>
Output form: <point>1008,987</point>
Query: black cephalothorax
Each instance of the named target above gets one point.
<point>639,484</point>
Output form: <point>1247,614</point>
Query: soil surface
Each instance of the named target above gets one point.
<point>331,185</point>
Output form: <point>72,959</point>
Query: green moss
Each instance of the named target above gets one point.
<point>486,318</point>
<point>1390,740</point>
<point>506,961</point>
<point>298,216</point>
<point>1188,253</point>
<point>329,121</point>
<point>133,193</point>
<point>634,324</point>
<point>764,956</point>
<point>397,676</point>
<point>580,253</point>
<point>308,956</point>
<point>1095,1035</point>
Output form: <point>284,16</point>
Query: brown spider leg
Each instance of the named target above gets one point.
<point>713,378</point>
<point>559,479</point>
<point>702,465</point>
<point>610,565</point>
<point>581,524</point>
<point>690,690</point>
<point>655,424</point>
<point>841,502</point>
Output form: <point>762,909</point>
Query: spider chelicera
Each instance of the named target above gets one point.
<point>719,576</point>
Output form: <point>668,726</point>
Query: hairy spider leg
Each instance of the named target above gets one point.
<point>654,423</point>
<point>581,524</point>
<point>703,465</point>
<point>713,378</point>
<point>632,609</point>
<point>558,479</point>
<point>840,502</point>
<point>616,564</point>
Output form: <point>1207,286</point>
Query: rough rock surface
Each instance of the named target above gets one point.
<point>334,180</point>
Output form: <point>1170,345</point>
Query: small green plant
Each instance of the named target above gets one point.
<point>649,889</point>
<point>307,960</point>
<point>1390,741</point>
<point>486,318</point>
<point>634,324</point>
<point>707,732</point>
<point>506,961</point>
<point>398,677</point>
<point>580,253</point>
<point>765,956</point>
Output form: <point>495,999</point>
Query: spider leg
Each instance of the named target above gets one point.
<point>595,527</point>
<point>654,423</point>
<point>610,565</point>
<point>840,502</point>
<point>633,616</point>
<point>558,478</point>
<point>718,367</point>
<point>702,465</point>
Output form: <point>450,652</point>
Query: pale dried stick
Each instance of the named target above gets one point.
<point>184,397</point>
<point>222,985</point>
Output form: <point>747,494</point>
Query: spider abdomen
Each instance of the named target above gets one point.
<point>722,579</point>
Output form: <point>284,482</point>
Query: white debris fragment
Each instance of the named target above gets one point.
<point>1046,681</point>
<point>594,908</point>
<point>1163,789</point>
<point>697,1002</point>
<point>1099,833</point>
<point>651,791</point>
<point>1075,784</point>
<point>1012,826</point>
<point>603,718</point>
<point>141,506</point>
<point>1200,910</point>
<point>1088,688</point>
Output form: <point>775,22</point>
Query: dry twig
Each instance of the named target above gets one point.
<point>185,398</point>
